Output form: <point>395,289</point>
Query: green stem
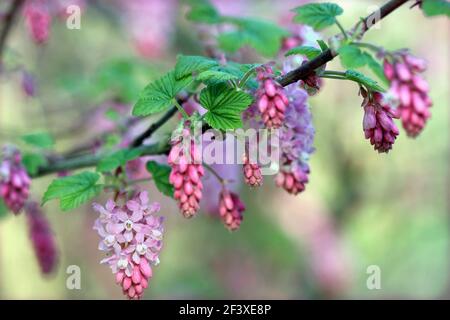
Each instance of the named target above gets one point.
<point>92,160</point>
<point>342,29</point>
<point>245,78</point>
<point>334,73</point>
<point>180,108</point>
<point>333,77</point>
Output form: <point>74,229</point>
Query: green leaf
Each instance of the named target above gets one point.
<point>265,37</point>
<point>352,57</point>
<point>40,140</point>
<point>160,174</point>
<point>202,11</point>
<point>317,15</point>
<point>377,69</point>
<point>159,95</point>
<point>74,190</point>
<point>215,76</point>
<point>309,52</point>
<point>322,45</point>
<point>3,209</point>
<point>117,159</point>
<point>224,106</point>
<point>362,79</point>
<point>186,65</point>
<point>433,8</point>
<point>32,162</point>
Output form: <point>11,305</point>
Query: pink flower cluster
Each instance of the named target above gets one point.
<point>231,209</point>
<point>296,138</point>
<point>42,238</point>
<point>38,20</point>
<point>14,180</point>
<point>132,238</point>
<point>186,173</point>
<point>270,98</point>
<point>410,89</point>
<point>378,125</point>
<point>252,173</point>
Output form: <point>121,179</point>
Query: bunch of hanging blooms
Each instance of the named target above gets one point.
<point>42,237</point>
<point>231,209</point>
<point>187,172</point>
<point>252,172</point>
<point>14,179</point>
<point>378,125</point>
<point>132,238</point>
<point>403,71</point>
<point>270,98</point>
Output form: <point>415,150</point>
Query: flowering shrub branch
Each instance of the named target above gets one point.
<point>211,92</point>
<point>300,73</point>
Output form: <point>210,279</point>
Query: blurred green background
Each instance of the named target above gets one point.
<point>359,209</point>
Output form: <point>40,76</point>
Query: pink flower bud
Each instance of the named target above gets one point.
<point>231,209</point>
<point>42,238</point>
<point>186,177</point>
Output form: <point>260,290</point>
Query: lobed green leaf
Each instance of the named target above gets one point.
<point>224,105</point>
<point>308,51</point>
<point>317,15</point>
<point>159,95</point>
<point>74,190</point>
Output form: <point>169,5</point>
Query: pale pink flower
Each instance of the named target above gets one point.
<point>132,237</point>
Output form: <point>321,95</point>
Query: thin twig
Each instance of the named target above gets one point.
<point>9,19</point>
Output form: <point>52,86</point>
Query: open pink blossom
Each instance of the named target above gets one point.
<point>132,238</point>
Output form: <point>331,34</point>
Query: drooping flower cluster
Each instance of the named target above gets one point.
<point>252,173</point>
<point>378,125</point>
<point>14,180</point>
<point>38,20</point>
<point>270,98</point>
<point>231,209</point>
<point>186,173</point>
<point>410,89</point>
<point>42,237</point>
<point>296,139</point>
<point>132,237</point>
